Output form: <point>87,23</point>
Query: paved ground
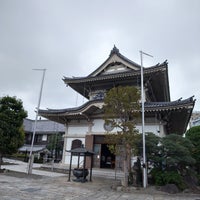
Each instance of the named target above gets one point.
<point>20,166</point>
<point>54,186</point>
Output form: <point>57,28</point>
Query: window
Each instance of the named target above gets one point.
<point>44,138</point>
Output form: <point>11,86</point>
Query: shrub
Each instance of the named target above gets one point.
<point>38,160</point>
<point>168,177</point>
<point>18,156</point>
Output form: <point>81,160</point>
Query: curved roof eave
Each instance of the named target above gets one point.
<point>73,111</point>
<point>176,113</point>
<point>149,70</point>
<point>149,107</point>
<point>173,105</point>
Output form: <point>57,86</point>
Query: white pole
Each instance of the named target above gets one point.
<point>30,163</point>
<point>143,131</point>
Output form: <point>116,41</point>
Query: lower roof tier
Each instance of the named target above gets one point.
<point>175,114</point>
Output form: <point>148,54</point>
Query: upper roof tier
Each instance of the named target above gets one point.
<point>118,70</point>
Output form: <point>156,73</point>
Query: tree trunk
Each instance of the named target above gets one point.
<point>127,165</point>
<point>125,181</point>
<point>128,153</point>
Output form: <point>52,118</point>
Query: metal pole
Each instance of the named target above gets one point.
<point>143,131</point>
<point>31,158</point>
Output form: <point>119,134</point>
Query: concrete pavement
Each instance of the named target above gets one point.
<point>20,166</point>
<point>56,187</point>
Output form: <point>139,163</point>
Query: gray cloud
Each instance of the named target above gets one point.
<point>72,38</point>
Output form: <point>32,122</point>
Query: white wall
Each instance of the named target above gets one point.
<point>79,130</point>
<point>156,129</point>
<point>98,126</point>
<point>68,154</point>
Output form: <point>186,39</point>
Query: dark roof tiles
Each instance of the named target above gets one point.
<point>149,106</point>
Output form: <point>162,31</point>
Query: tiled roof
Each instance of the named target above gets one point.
<point>149,106</point>
<point>106,77</point>
<point>156,68</point>
<point>115,50</point>
<point>169,105</point>
<point>71,110</point>
<point>43,126</point>
<point>36,148</point>
<point>175,113</point>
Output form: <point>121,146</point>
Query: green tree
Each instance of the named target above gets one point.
<point>12,114</point>
<point>153,149</point>
<point>169,157</point>
<point>172,160</point>
<point>121,106</point>
<point>55,145</point>
<point>193,134</point>
<point>176,152</point>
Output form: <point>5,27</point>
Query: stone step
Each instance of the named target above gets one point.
<point>104,173</point>
<point>107,173</point>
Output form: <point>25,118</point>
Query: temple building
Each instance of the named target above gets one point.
<point>45,131</point>
<point>195,119</point>
<point>84,125</point>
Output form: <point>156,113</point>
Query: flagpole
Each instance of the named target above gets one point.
<point>143,124</point>
<point>31,158</point>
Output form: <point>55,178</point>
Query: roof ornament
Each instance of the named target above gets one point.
<point>165,62</point>
<point>114,50</point>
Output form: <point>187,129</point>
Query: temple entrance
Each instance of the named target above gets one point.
<point>102,158</point>
<point>107,158</point>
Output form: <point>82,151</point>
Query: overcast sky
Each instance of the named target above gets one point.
<point>73,37</point>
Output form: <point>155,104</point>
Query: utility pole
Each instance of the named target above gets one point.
<point>143,131</point>
<point>31,156</point>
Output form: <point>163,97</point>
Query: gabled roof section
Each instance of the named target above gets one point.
<point>155,78</point>
<point>119,70</point>
<point>115,63</point>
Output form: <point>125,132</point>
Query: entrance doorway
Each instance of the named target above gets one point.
<point>103,158</point>
<point>107,158</point>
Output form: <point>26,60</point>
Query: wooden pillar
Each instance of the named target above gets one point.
<point>89,144</point>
